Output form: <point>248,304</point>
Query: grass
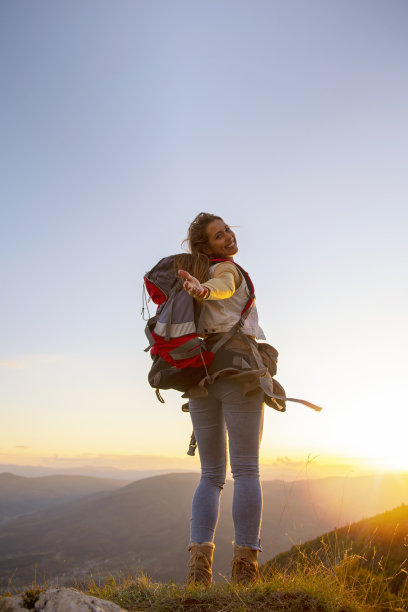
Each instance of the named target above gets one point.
<point>294,592</point>
<point>30,597</point>
<point>143,594</point>
<point>330,580</point>
<point>365,576</point>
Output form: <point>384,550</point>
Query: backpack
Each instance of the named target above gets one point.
<point>180,357</point>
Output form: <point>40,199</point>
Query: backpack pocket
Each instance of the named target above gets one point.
<point>269,356</point>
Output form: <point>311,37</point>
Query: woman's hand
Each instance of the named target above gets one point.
<point>192,285</point>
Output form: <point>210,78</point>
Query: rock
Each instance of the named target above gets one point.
<point>12,604</point>
<point>60,600</point>
<point>70,600</point>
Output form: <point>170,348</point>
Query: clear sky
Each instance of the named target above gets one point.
<point>120,121</point>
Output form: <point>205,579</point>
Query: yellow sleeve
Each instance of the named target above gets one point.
<point>226,279</point>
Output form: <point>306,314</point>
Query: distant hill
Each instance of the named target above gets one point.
<point>20,496</point>
<point>145,525</point>
<point>378,546</point>
<point>129,475</point>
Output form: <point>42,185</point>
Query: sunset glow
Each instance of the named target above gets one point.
<point>107,160</point>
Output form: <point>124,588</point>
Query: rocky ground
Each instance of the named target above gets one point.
<point>57,600</point>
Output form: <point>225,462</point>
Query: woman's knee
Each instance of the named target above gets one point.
<point>214,476</point>
<point>245,468</point>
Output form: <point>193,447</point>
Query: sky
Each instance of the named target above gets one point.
<point>120,121</point>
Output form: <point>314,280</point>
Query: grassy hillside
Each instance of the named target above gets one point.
<point>372,555</point>
<point>299,594</point>
<point>305,590</point>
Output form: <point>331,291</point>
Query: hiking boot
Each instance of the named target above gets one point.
<point>245,566</point>
<point>200,564</point>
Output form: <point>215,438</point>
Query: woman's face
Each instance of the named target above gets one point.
<point>221,240</point>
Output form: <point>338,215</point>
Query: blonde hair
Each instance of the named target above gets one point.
<point>197,262</point>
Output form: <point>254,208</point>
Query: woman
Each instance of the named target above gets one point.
<point>232,402</point>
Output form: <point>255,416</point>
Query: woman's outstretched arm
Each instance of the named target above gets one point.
<point>192,285</point>
<point>223,285</point>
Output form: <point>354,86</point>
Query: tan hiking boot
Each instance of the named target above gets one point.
<point>200,564</point>
<point>245,566</point>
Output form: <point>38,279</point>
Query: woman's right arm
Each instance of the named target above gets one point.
<point>226,279</point>
<point>192,285</point>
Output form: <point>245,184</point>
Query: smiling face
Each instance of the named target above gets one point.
<point>221,240</point>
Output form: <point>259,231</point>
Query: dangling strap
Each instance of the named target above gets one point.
<point>261,365</point>
<point>145,304</point>
<point>159,396</point>
<point>192,446</point>
<point>300,401</point>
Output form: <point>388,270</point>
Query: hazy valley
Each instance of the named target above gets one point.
<point>95,528</point>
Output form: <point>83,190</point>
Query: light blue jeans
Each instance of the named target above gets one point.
<point>227,409</point>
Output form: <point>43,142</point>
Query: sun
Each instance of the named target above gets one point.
<point>396,461</point>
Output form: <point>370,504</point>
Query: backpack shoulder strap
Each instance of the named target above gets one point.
<point>251,300</point>
<point>245,311</point>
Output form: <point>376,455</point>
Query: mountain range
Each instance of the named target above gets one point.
<point>95,471</point>
<point>20,496</point>
<point>144,525</point>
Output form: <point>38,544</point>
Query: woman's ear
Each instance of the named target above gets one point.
<point>206,250</point>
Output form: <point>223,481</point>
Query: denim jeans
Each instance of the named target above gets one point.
<point>227,409</point>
